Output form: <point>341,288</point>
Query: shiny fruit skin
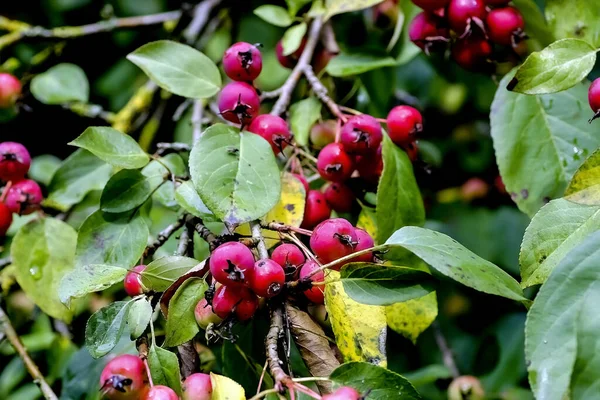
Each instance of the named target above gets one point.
<point>124,378</point>
<point>370,166</point>
<point>316,210</point>
<point>24,197</point>
<point>288,255</point>
<point>241,299</point>
<point>10,90</point>
<point>343,393</point>
<point>365,241</point>
<point>472,53</point>
<point>238,103</point>
<point>242,62</point>
<point>273,129</point>
<point>361,134</point>
<point>594,95</point>
<point>231,264</point>
<point>160,392</point>
<point>404,123</point>
<point>503,24</point>
<point>133,281</point>
<point>424,28</point>
<point>204,315</point>
<point>340,197</point>
<point>314,294</point>
<point>268,279</point>
<point>197,387</point>
<point>290,60</point>
<point>334,163</point>
<point>461,12</point>
<point>332,239</point>
<point>6,219</point>
<point>14,161</point>
<point>323,133</point>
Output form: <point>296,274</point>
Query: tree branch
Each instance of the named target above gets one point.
<point>33,369</point>
<point>259,239</point>
<point>445,349</point>
<point>199,19</point>
<point>321,92</point>
<point>206,234</point>
<point>282,379</point>
<point>163,236</point>
<point>290,84</point>
<point>197,120</point>
<point>138,102</point>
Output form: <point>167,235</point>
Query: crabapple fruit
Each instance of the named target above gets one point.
<point>10,90</point>
<point>316,210</point>
<point>124,378</point>
<point>505,25</point>
<point>314,294</point>
<point>239,103</point>
<point>361,134</point>
<point>273,129</point>
<point>334,163</point>
<point>340,197</point>
<point>290,60</point>
<point>204,314</point>
<point>332,239</point>
<point>323,133</point>
<point>427,32</point>
<point>14,161</point>
<point>197,387</point>
<point>6,219</point>
<point>160,392</point>
<point>364,241</point>
<point>466,387</point>
<point>242,62</point>
<point>472,53</point>
<point>594,98</point>
<point>343,393</point>
<point>133,281</point>
<point>370,166</point>
<point>241,299</point>
<point>268,278</point>
<point>24,197</point>
<point>461,13</point>
<point>404,123</point>
<point>304,182</point>
<point>232,264</point>
<point>289,256</point>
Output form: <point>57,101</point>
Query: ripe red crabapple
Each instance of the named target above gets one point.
<point>239,103</point>
<point>133,281</point>
<point>10,90</point>
<point>268,278</point>
<point>124,378</point>
<point>323,133</point>
<point>160,392</point>
<point>505,26</point>
<point>334,164</point>
<point>197,387</point>
<point>290,60</point>
<point>431,5</point>
<point>204,314</point>
<point>340,197</point>
<point>343,393</point>
<point>242,62</point>
<point>241,299</point>
<point>289,256</point>
<point>316,210</point>
<point>462,13</point>
<point>473,53</point>
<point>404,123</point>
<point>594,98</point>
<point>24,197</point>
<point>427,32</point>
<point>14,161</point>
<point>365,241</point>
<point>304,182</point>
<point>232,264</point>
<point>6,219</point>
<point>361,134</point>
<point>273,129</point>
<point>314,294</point>
<point>332,239</point>
<point>370,167</point>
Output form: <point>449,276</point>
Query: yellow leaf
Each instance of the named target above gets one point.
<point>366,221</point>
<point>360,329</point>
<point>225,388</point>
<point>412,317</point>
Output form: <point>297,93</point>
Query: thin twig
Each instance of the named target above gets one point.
<point>186,239</point>
<point>264,393</point>
<point>445,349</point>
<point>321,92</point>
<point>201,14</point>
<point>176,147</point>
<point>278,227</point>
<point>197,120</point>
<point>259,239</point>
<point>206,234</point>
<point>164,235</point>
<point>304,60</point>
<point>33,369</point>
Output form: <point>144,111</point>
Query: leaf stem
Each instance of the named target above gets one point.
<point>445,349</point>
<point>348,258</point>
<point>264,393</point>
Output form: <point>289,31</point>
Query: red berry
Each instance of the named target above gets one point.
<point>239,103</point>
<point>431,5</point>
<point>472,53</point>
<point>304,182</point>
<point>316,210</point>
<point>289,256</point>
<point>197,387</point>
<point>361,134</point>
<point>160,392</point>
<point>334,164</point>
<point>505,25</point>
<point>242,62</point>
<point>594,96</point>
<point>321,59</point>
<point>6,219</point>
<point>133,281</point>
<point>231,264</point>
<point>370,166</point>
<point>404,122</point>
<point>412,149</point>
<point>323,133</point>
<point>242,300</point>
<point>204,315</point>
<point>10,90</point>
<point>333,239</point>
<point>427,32</point>
<point>340,197</point>
<point>273,129</point>
<point>343,393</point>
<point>314,294</point>
<point>365,241</point>
<point>24,197</point>
<point>462,12</point>
<point>268,278</point>
<point>124,378</point>
<point>290,60</point>
<point>14,161</point>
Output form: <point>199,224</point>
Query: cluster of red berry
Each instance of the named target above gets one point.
<point>20,196</point>
<point>472,26</point>
<point>125,377</point>
<point>10,90</point>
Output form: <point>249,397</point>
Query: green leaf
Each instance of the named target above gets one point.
<point>235,174</point>
<point>407,50</point>
<point>346,64</point>
<point>61,84</point>
<point>382,285</point>
<point>585,185</point>
<point>558,325</point>
<point>558,67</point>
<point>105,327</point>
<point>574,19</point>
<point>292,38</point>
<point>139,317</point>
<point>535,22</point>
<point>275,15</point>
<point>190,201</point>
<point>88,279</point>
<point>303,115</point>
<point>112,146</point>
<point>295,5</point>
<point>540,141</point>
<point>554,231</point>
<point>378,382</point>
<point>43,168</point>
<point>584,380</point>
<point>453,260</point>
<point>181,323</point>
<point>42,253</point>
<point>159,174</point>
<point>178,68</point>
<point>164,368</point>
<point>125,191</point>
<point>79,174</point>
<point>399,200</point>
<point>334,7</point>
<point>161,273</point>
<point>412,317</point>
<point>113,239</point>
